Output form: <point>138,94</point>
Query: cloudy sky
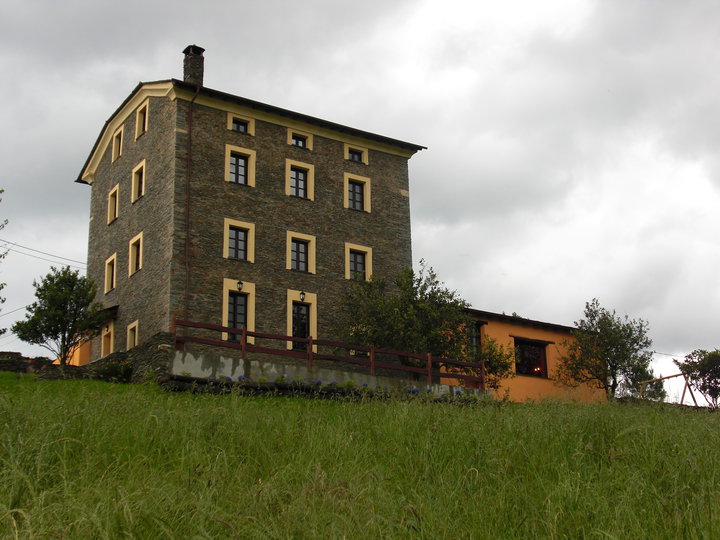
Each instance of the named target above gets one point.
<point>572,145</point>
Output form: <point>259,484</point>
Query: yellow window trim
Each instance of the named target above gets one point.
<point>107,335</point>
<point>310,239</point>
<point>130,343</point>
<point>134,195</point>
<point>250,122</point>
<point>113,204</point>
<point>138,238</point>
<point>367,198</point>
<point>249,227</point>
<point>250,154</point>
<point>230,285</point>
<point>308,137</point>
<point>111,278</point>
<point>140,129</point>
<point>311,299</point>
<point>117,142</point>
<point>368,259</point>
<point>347,147</point>
<point>289,164</point>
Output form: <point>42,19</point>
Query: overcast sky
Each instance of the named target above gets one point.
<point>572,145</point>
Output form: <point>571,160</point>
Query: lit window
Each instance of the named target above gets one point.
<point>117,143</point>
<point>132,335</point>
<point>300,139</point>
<point>138,182</point>
<point>239,240</point>
<point>356,154</point>
<point>358,262</point>
<point>357,192</point>
<point>239,165</point>
<point>299,179</point>
<point>135,254</point>
<point>113,204</point>
<point>530,358</point>
<point>141,119</point>
<point>107,339</point>
<point>241,124</point>
<point>300,252</point>
<point>110,264</point>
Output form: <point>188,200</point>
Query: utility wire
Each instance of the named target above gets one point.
<point>44,259</point>
<point>43,252</point>
<point>14,310</point>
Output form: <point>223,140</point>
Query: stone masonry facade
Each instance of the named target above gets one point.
<point>187,200</point>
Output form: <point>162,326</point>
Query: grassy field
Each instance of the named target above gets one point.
<point>83,459</point>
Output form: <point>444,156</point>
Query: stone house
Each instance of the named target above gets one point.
<point>211,207</point>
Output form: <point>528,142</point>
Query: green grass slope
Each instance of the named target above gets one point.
<point>82,459</point>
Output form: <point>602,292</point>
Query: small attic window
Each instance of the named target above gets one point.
<point>117,142</point>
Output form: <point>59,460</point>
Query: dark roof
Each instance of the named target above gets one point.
<point>259,106</point>
<point>297,116</point>
<point>480,314</point>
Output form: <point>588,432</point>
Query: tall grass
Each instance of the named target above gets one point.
<point>83,459</point>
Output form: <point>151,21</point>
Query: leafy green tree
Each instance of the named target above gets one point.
<point>702,369</point>
<point>607,351</point>
<point>414,313</point>
<point>63,315</point>
<point>497,360</point>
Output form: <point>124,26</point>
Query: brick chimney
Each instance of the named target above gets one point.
<point>193,65</point>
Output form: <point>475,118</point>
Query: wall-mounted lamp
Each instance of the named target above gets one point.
<point>239,285</point>
<point>302,296</point>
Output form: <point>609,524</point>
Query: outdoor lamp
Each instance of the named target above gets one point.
<point>302,296</point>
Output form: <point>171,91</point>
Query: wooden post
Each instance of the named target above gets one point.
<point>309,352</point>
<point>372,360</point>
<point>429,368</point>
<point>483,375</point>
<point>243,343</point>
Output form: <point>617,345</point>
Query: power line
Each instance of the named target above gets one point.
<point>14,310</point>
<point>44,259</point>
<point>43,252</point>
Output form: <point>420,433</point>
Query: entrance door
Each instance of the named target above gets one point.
<point>300,323</point>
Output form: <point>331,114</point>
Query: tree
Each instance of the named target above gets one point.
<point>64,314</point>
<point>607,351</point>
<point>415,313</point>
<point>702,369</point>
<point>497,360</point>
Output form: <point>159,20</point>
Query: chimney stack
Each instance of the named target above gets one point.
<point>193,65</point>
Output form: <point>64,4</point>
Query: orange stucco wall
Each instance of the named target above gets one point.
<point>81,354</point>
<point>504,329</point>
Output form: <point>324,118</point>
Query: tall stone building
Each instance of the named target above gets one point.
<point>215,208</point>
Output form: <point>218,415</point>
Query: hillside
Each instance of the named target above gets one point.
<point>85,459</point>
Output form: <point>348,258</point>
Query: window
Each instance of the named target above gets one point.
<point>107,339</point>
<point>141,119</point>
<point>117,142</point>
<point>301,317</point>
<point>110,264</point>
<point>299,179</point>
<point>358,154</point>
<point>138,182</point>
<point>357,265</point>
<point>358,262</point>
<point>239,240</point>
<point>132,335</point>
<point>299,255</point>
<point>530,358</point>
<point>241,124</point>
<point>300,252</point>
<point>237,313</point>
<point>135,254</point>
<point>357,192</point>
<point>239,165</point>
<point>238,308</point>
<point>113,204</point>
<point>301,139</point>
<point>298,182</point>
